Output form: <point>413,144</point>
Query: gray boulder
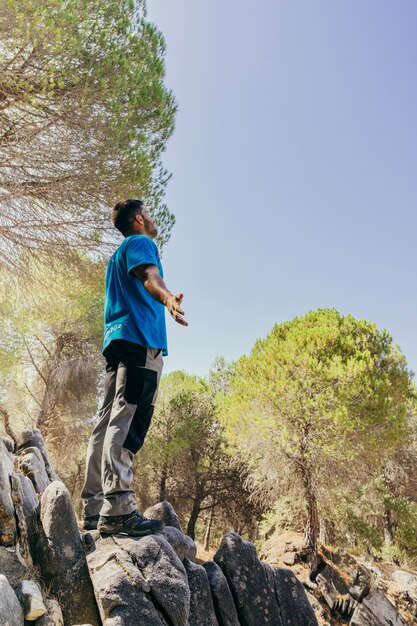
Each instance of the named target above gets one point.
<point>11,613</point>
<point>34,439</point>
<point>202,611</point>
<point>251,584</point>
<point>289,558</point>
<point>166,576</point>
<point>138,577</point>
<point>376,610</point>
<point>27,508</point>
<point>31,463</point>
<point>54,614</point>
<point>12,566</point>
<point>222,597</point>
<point>164,511</point>
<point>362,582</point>
<point>61,557</point>
<point>406,583</point>
<point>121,591</point>
<point>7,517</point>
<point>183,545</point>
<point>335,591</point>
<point>294,605</point>
<point>23,535</point>
<point>30,597</point>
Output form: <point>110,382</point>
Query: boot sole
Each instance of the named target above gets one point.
<point>119,530</point>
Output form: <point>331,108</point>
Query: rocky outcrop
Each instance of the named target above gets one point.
<point>32,465</point>
<point>251,582</point>
<point>10,607</point>
<point>39,536</point>
<point>222,597</point>
<point>61,557</point>
<point>7,518</point>
<point>124,590</point>
<point>294,606</point>
<point>201,602</point>
<point>55,575</point>
<point>164,511</point>
<point>347,589</point>
<point>376,610</point>
<point>33,439</point>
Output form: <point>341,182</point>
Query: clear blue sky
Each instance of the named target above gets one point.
<point>294,166</point>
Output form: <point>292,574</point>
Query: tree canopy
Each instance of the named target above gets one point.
<point>84,117</point>
<point>322,395</point>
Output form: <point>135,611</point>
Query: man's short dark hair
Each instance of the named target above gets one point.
<point>124,214</point>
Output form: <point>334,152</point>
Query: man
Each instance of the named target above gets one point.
<point>134,344</point>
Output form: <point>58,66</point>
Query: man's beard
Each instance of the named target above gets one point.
<point>151,228</point>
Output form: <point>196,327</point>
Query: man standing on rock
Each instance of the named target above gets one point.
<point>134,344</point>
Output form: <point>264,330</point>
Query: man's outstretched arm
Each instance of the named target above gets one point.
<point>155,286</point>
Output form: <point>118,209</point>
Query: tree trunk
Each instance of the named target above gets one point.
<point>311,530</point>
<point>195,512</point>
<point>46,412</point>
<point>208,530</point>
<point>327,534</point>
<point>388,530</point>
<point>163,483</point>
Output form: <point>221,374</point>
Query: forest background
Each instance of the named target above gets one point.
<point>313,430</point>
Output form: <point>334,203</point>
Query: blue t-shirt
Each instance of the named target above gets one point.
<point>130,312</point>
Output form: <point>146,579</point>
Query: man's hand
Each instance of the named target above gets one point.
<point>153,283</point>
<point>173,304</point>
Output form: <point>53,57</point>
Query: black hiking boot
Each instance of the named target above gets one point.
<point>90,522</point>
<point>133,524</point>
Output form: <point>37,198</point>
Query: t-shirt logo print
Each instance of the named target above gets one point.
<point>112,329</point>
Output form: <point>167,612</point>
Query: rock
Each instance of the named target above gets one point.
<point>201,603</point>
<point>276,546</point>
<point>164,511</point>
<point>183,545</point>
<point>294,605</point>
<point>23,534</point>
<point>251,582</point>
<point>61,557</point>
<point>406,582</point>
<point>289,558</point>
<point>54,614</point>
<point>121,591</point>
<point>376,610</point>
<point>31,463</point>
<point>9,443</point>
<point>30,509</point>
<point>139,576</point>
<point>222,597</point>
<point>166,576</point>
<point>317,608</point>
<point>7,517</point>
<point>34,439</point>
<point>11,613</point>
<point>362,583</point>
<point>30,597</point>
<point>331,585</point>
<point>31,504</point>
<point>12,566</point>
